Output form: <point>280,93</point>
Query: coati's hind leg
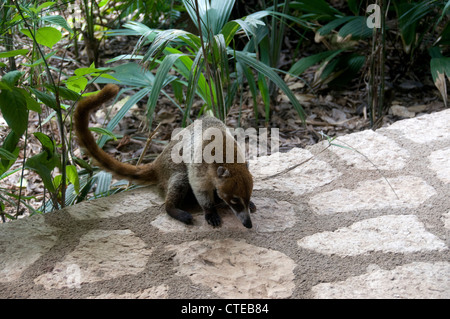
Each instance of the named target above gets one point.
<point>177,189</point>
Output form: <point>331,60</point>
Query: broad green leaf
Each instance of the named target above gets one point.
<point>12,53</point>
<point>5,154</point>
<point>72,177</point>
<point>102,3</point>
<point>4,86</point>
<point>57,181</point>
<point>9,144</point>
<point>43,164</point>
<point>59,21</point>
<point>45,5</point>
<point>84,71</point>
<point>11,78</point>
<point>45,98</point>
<point>64,93</point>
<point>47,36</point>
<point>46,141</point>
<point>32,105</point>
<point>13,106</point>
<point>76,83</point>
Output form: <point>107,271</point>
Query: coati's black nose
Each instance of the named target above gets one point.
<point>247,223</point>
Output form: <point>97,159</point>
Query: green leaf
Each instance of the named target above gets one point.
<point>7,155</point>
<point>357,28</point>
<point>59,21</point>
<point>123,110</point>
<point>12,53</point>
<point>45,98</point>
<point>45,5</point>
<point>103,182</point>
<point>326,29</point>
<point>130,74</point>
<point>161,80</point>
<point>47,36</point>
<point>270,73</point>
<point>40,61</point>
<point>9,144</point>
<point>12,77</point>
<point>440,68</point>
<point>264,89</point>
<point>46,141</point>
<point>57,181</point>
<point>13,106</point>
<point>32,105</point>
<point>84,71</point>
<point>64,93</point>
<point>213,16</point>
<point>43,165</point>
<point>76,83</point>
<point>4,86</point>
<point>72,177</point>
<point>318,7</point>
<point>103,131</point>
<point>162,40</point>
<point>301,65</point>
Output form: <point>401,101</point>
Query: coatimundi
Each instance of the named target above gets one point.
<point>210,183</point>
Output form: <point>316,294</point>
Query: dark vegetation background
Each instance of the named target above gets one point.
<point>313,69</point>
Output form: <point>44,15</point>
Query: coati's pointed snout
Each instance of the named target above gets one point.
<point>245,219</point>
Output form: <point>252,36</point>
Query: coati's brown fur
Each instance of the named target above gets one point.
<point>209,182</point>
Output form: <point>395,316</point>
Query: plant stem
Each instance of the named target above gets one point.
<point>205,57</point>
<point>58,107</point>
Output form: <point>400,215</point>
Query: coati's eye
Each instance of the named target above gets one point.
<point>234,200</point>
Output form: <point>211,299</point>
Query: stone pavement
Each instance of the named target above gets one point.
<point>368,224</point>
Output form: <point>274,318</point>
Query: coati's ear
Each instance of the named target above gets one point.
<point>223,172</point>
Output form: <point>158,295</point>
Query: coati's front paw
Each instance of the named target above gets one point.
<point>252,207</point>
<point>213,219</point>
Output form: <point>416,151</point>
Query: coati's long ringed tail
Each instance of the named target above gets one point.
<point>144,174</point>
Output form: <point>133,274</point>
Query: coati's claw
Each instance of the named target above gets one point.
<point>213,219</point>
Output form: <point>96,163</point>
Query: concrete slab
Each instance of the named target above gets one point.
<point>330,228</point>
